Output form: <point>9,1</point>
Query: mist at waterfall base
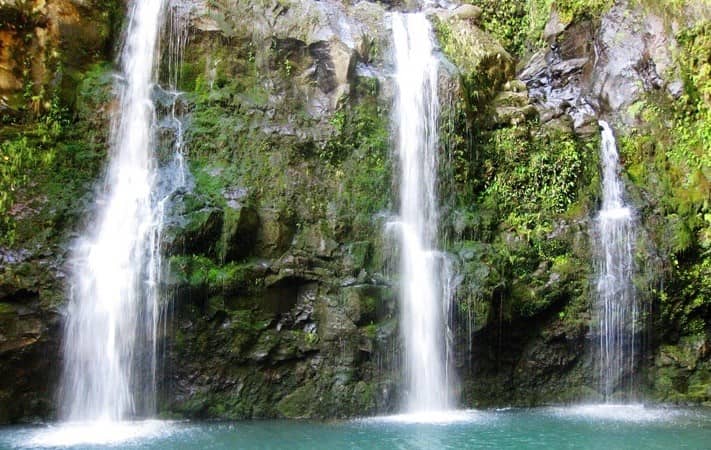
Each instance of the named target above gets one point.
<point>424,286</point>
<point>616,305</point>
<point>590,427</point>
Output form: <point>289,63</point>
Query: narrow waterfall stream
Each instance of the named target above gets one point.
<point>423,290</point>
<point>616,304</point>
<point>114,312</point>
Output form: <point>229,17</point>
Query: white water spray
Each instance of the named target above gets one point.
<point>424,282</point>
<point>616,303</point>
<point>114,311</point>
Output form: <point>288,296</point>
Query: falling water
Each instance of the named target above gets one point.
<point>424,288</point>
<point>616,304</point>
<point>114,310</point>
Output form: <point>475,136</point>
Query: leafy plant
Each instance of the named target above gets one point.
<point>25,156</point>
<point>668,157</point>
<point>519,24</point>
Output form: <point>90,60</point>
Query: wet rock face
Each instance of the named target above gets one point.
<point>324,40</point>
<point>634,56</point>
<point>294,346</point>
<point>557,77</point>
<point>38,38</point>
<point>682,371</point>
<point>28,364</point>
<point>281,301</point>
<point>542,363</point>
<point>276,267</point>
<point>29,336</point>
<point>334,64</point>
<point>591,68</point>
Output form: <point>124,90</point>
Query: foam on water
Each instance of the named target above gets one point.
<point>584,427</point>
<point>445,417</point>
<point>105,433</point>
<point>634,413</point>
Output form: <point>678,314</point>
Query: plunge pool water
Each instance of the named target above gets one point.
<point>605,427</point>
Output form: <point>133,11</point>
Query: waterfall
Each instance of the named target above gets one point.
<point>115,310</point>
<point>616,304</point>
<point>424,288</point>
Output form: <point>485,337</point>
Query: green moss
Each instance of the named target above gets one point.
<point>202,272</point>
<point>563,264</point>
<point>582,9</point>
<point>225,405</point>
<point>370,331</point>
<point>228,408</point>
<point>369,305</point>
<point>516,24</point>
<point>95,90</point>
<point>483,63</point>
<point>699,389</point>
<point>667,159</point>
<point>516,187</point>
<point>358,154</point>
<point>682,374</point>
<point>300,403</point>
<point>358,128</point>
<point>364,397</point>
<point>307,340</point>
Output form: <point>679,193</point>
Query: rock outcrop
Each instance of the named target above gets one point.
<point>278,274</point>
<point>282,308</point>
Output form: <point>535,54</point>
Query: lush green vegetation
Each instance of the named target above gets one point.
<point>49,129</point>
<point>363,136</point>
<point>516,187</point>
<point>56,154</point>
<point>519,24</point>
<point>582,9</point>
<point>524,196</point>
<point>26,157</point>
<point>200,272</point>
<point>531,181</point>
<point>283,151</point>
<point>534,172</point>
<point>669,159</point>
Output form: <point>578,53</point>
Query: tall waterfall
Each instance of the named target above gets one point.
<point>616,303</point>
<point>423,291</point>
<point>114,311</point>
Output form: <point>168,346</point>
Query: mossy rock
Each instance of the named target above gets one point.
<point>473,50</point>
<point>239,233</point>
<point>302,403</point>
<point>484,65</point>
